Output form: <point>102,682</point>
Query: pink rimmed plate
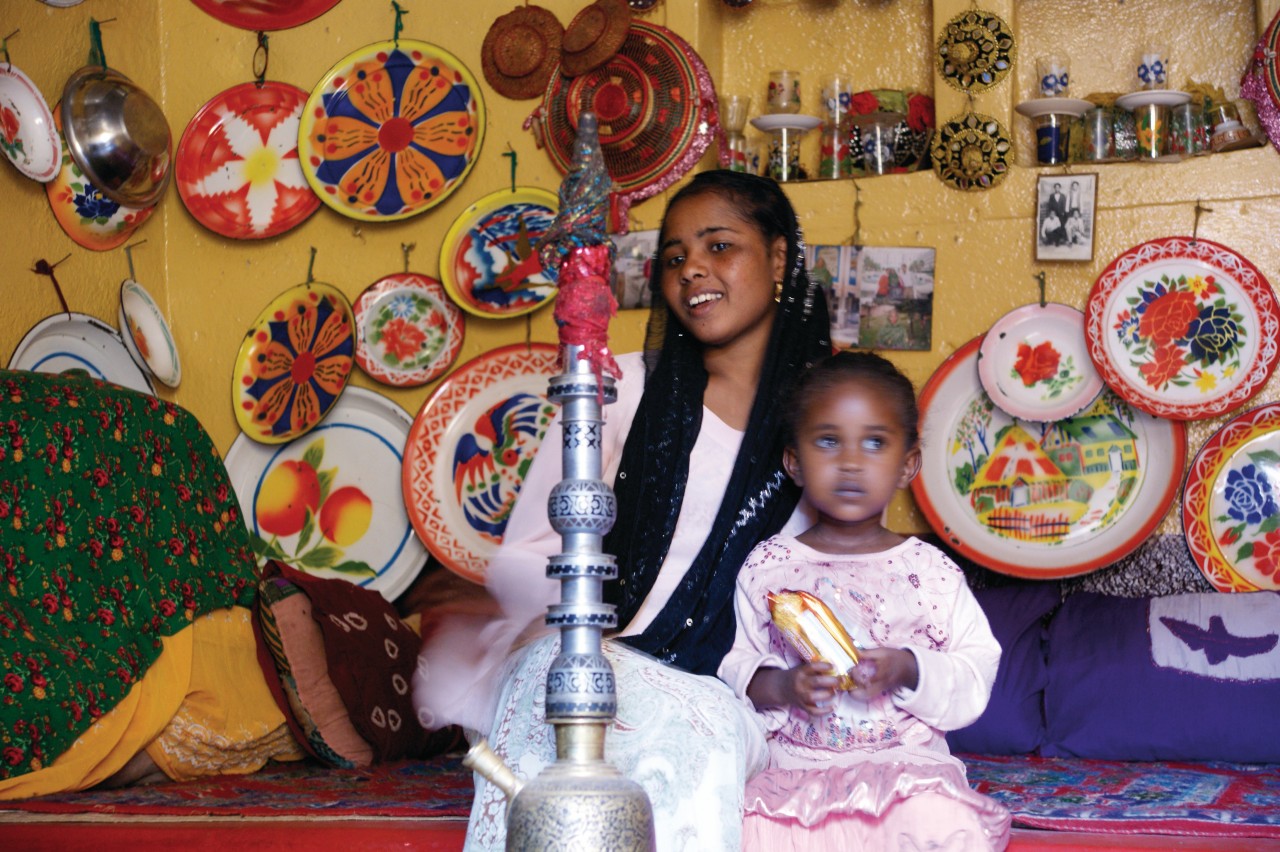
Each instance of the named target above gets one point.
<point>237,165</point>
<point>1041,500</point>
<point>488,260</point>
<point>28,136</point>
<point>294,363</point>
<point>391,130</point>
<point>408,333</point>
<point>1034,363</point>
<point>1183,328</point>
<point>469,448</point>
<point>1231,503</point>
<point>329,502</point>
<point>265,14</point>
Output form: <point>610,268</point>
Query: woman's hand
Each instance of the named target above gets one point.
<point>881,670</point>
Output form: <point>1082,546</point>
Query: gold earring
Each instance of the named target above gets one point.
<point>777,291</point>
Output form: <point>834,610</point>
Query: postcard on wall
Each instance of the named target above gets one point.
<point>631,267</point>
<point>879,297</point>
<point>1065,206</point>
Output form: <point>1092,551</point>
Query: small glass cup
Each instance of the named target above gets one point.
<point>1099,135</point>
<point>784,155</point>
<point>834,160</point>
<point>1153,67</point>
<point>837,97</point>
<point>878,137</point>
<point>784,92</point>
<point>1151,122</point>
<point>734,110</point>
<point>1054,75</point>
<point>1188,132</point>
<point>1051,138</point>
<point>736,144</point>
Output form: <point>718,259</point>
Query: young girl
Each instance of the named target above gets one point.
<point>866,768</point>
<point>693,448</point>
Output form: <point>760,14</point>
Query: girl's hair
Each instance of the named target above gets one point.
<point>854,366</point>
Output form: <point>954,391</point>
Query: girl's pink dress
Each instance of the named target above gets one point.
<point>875,774</point>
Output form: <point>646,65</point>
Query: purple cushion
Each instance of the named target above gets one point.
<point>1013,722</point>
<point>1181,677</point>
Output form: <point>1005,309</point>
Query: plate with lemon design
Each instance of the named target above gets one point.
<point>329,502</point>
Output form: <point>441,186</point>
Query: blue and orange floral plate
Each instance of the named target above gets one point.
<point>391,130</point>
<point>1231,503</point>
<point>294,363</point>
<point>1034,363</point>
<point>1183,328</point>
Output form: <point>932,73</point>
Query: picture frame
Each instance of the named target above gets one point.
<point>1066,215</point>
<point>878,297</point>
<point>631,267</point>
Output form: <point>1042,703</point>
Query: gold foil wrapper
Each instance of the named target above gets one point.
<point>815,632</point>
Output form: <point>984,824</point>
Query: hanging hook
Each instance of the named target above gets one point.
<point>1195,228</point>
<point>1040,277</point>
<point>43,267</point>
<point>128,256</point>
<point>4,47</point>
<point>857,209</point>
<point>97,56</point>
<point>311,266</point>
<point>260,68</point>
<point>400,13</point>
<point>406,248</point>
<point>528,334</point>
<point>510,152</point>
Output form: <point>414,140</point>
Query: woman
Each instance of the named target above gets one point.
<point>693,447</point>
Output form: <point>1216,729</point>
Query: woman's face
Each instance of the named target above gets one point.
<point>718,271</point>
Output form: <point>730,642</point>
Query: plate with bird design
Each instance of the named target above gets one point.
<point>469,449</point>
<point>489,262</point>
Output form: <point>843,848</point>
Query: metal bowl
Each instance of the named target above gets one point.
<point>117,135</point>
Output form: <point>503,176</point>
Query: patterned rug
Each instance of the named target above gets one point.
<point>439,787</point>
<point>1114,797</point>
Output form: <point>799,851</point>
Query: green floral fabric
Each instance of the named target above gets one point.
<point>118,526</point>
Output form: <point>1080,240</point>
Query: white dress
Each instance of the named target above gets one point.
<point>839,775</point>
<point>684,738</point>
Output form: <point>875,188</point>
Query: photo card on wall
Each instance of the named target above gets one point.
<point>631,267</point>
<point>1065,216</point>
<point>879,297</point>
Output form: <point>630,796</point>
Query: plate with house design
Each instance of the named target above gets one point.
<point>1041,500</point>
<point>1231,504</point>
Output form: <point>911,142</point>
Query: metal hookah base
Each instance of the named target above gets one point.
<point>575,807</point>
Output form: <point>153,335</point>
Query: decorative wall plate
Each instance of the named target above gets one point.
<point>785,120</point>
<point>975,51</point>
<point>146,334</point>
<point>265,14</point>
<point>656,106</point>
<point>83,212</point>
<point>1265,59</point>
<point>391,130</point>
<point>237,164</point>
<point>329,503</point>
<point>488,261</point>
<point>972,152</point>
<point>469,449</point>
<point>293,363</point>
<point>408,333</point>
<point>28,135</point>
<point>1041,500</point>
<point>63,343</point>
<point>1147,97</point>
<point>1231,503</point>
<point>1034,363</point>
<point>1183,328</point>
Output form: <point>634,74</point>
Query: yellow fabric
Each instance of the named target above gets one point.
<point>206,685</point>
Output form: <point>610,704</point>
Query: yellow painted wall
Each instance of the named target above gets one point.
<point>212,288</point>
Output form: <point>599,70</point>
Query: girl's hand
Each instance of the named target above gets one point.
<point>881,670</point>
<point>813,688</point>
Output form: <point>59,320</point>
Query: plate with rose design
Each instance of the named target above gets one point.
<point>294,363</point>
<point>391,130</point>
<point>1183,328</point>
<point>1034,363</point>
<point>1231,503</point>
<point>329,502</point>
<point>469,449</point>
<point>28,136</point>
<point>408,333</point>
<point>1041,500</point>
<point>265,14</point>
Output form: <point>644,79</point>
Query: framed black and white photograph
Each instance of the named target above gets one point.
<point>1065,205</point>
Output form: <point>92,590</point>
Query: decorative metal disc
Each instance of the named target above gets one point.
<point>976,51</point>
<point>972,152</point>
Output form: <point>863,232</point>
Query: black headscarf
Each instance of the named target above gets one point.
<point>695,629</point>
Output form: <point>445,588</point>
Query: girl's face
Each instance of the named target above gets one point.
<point>851,455</point>
<point>718,272</point>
